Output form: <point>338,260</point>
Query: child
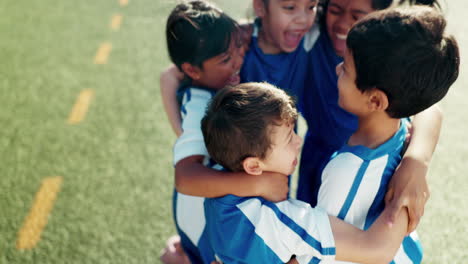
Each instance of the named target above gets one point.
<point>203,43</point>
<point>329,126</point>
<point>250,127</point>
<point>397,63</point>
<point>281,38</point>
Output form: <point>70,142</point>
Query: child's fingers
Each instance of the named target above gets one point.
<point>414,218</point>
<point>173,243</point>
<point>395,206</point>
<point>415,213</point>
<point>389,195</point>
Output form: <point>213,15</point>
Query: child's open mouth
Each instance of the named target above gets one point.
<point>340,43</point>
<point>234,79</point>
<point>341,36</point>
<point>293,38</point>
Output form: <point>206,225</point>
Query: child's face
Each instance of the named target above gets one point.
<point>221,70</point>
<point>286,145</point>
<point>284,23</point>
<point>340,17</point>
<point>350,98</point>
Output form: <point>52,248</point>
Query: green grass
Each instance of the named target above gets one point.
<point>114,205</point>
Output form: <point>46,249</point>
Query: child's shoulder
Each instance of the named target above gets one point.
<point>193,101</point>
<point>392,147</point>
<point>190,92</point>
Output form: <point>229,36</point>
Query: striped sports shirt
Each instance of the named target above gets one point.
<point>354,183</point>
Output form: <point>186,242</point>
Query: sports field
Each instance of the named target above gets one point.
<point>86,150</point>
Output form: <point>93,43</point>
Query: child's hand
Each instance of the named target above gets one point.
<point>273,186</point>
<point>408,188</point>
<point>174,253</point>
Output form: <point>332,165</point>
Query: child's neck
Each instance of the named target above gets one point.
<point>266,44</point>
<point>374,130</point>
<point>197,83</point>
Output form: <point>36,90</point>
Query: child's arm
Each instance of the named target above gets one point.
<point>193,178</point>
<point>169,82</point>
<point>378,244</point>
<point>408,187</point>
<point>293,228</point>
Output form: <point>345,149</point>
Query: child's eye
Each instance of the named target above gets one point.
<point>313,5</point>
<point>334,11</point>
<point>289,8</point>
<point>358,16</point>
<point>226,60</point>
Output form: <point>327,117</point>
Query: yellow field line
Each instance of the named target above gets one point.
<point>103,53</point>
<point>115,22</point>
<point>123,2</point>
<point>81,106</point>
<point>36,220</point>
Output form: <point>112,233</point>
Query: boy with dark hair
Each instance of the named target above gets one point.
<point>397,63</point>
<point>250,127</point>
<point>203,42</point>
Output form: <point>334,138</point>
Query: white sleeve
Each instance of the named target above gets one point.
<point>292,228</point>
<point>191,141</point>
<point>311,37</point>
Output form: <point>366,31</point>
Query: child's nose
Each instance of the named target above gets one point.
<point>302,17</point>
<point>298,140</point>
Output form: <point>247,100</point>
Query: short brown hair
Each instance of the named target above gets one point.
<point>239,119</point>
<point>406,53</point>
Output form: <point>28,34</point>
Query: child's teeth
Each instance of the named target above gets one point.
<point>341,36</point>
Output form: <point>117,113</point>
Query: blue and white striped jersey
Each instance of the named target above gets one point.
<point>354,183</point>
<point>253,230</point>
<point>188,210</point>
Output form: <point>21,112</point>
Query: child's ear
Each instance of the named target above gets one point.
<point>259,8</point>
<point>192,71</point>
<point>378,100</point>
<point>252,166</point>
